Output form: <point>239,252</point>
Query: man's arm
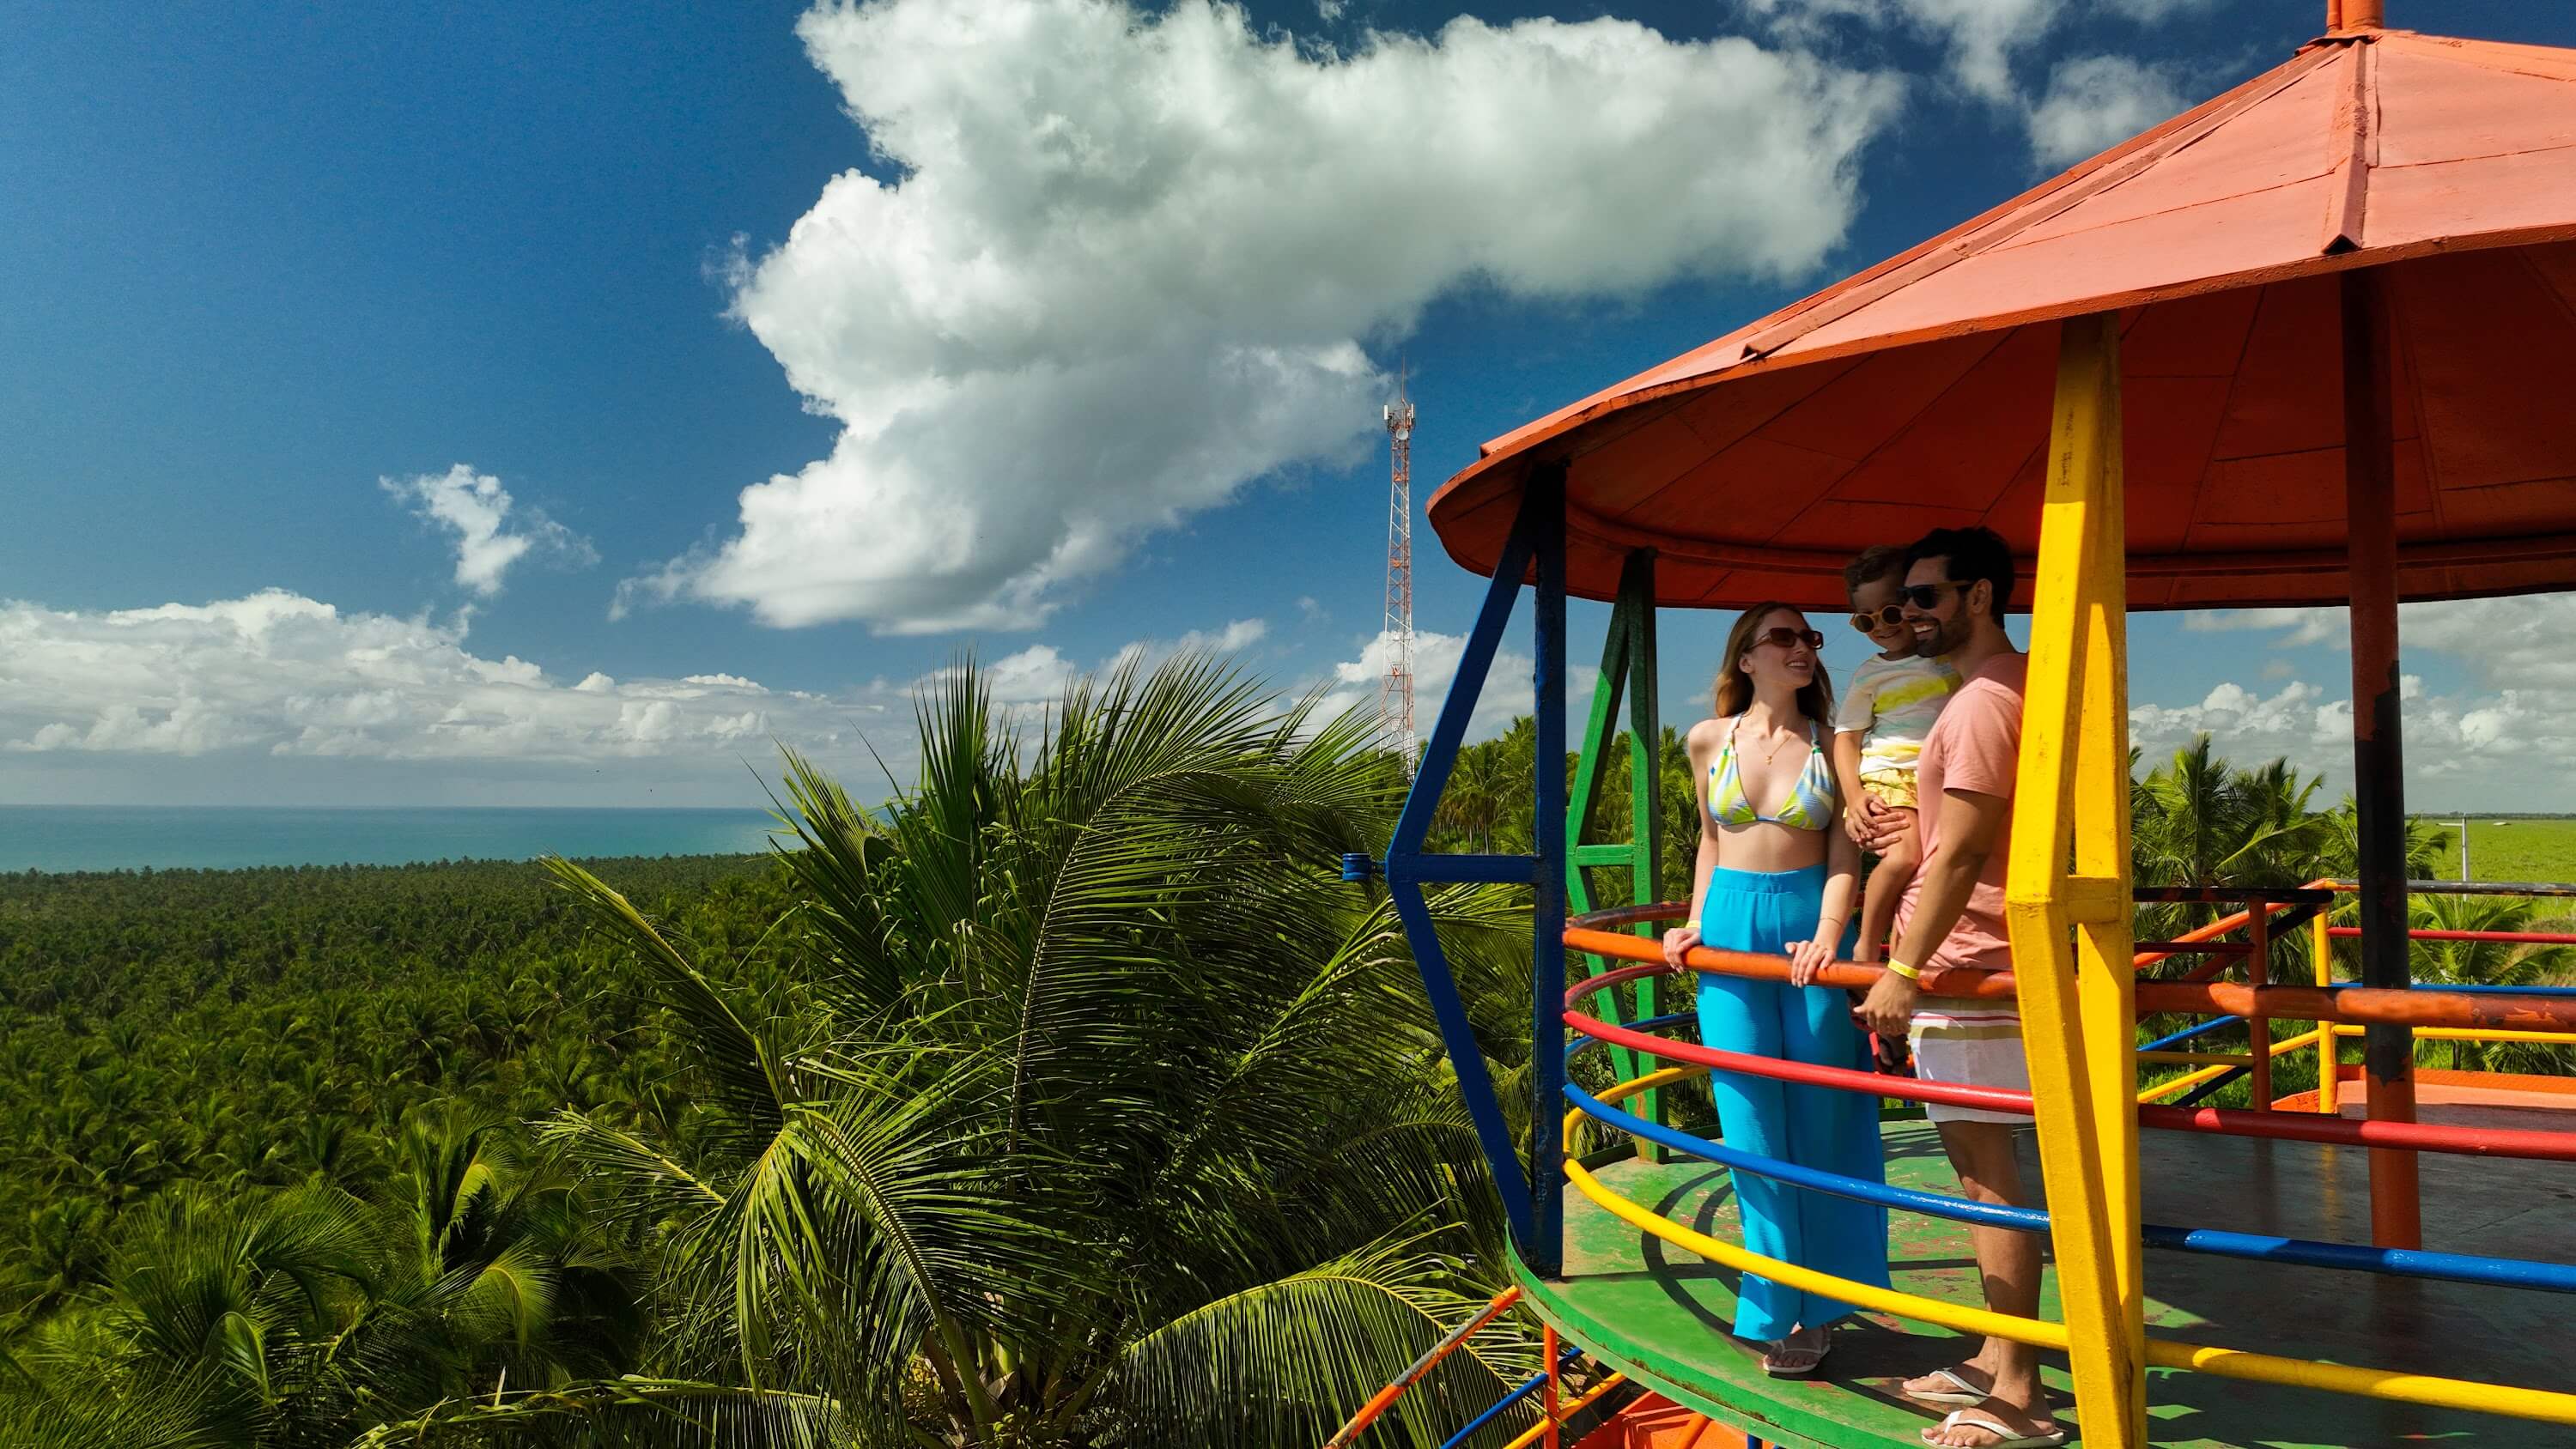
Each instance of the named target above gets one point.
<point>1972,829</point>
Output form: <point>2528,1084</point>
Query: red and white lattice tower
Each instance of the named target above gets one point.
<point>1395,691</point>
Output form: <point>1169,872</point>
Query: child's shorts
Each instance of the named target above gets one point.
<point>1892,787</point>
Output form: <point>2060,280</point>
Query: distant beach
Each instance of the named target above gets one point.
<point>76,838</point>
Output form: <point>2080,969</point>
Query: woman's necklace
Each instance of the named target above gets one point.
<point>1777,746</point>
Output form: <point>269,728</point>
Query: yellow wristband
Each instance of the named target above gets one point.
<point>1901,969</point>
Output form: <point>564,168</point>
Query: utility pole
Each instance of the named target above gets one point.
<point>1395,690</point>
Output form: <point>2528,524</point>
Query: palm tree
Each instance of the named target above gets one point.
<point>2198,820</point>
<point>2492,963</point>
<point>308,1316</point>
<point>1095,1107</point>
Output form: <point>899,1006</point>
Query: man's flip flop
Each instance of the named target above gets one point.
<point>1967,1397</point>
<point>2004,1436</point>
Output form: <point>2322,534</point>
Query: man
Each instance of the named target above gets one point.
<point>1957,582</point>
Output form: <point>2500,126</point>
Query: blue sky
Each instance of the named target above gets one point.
<point>277,272</point>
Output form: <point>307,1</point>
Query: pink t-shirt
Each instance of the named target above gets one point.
<point>1975,746</point>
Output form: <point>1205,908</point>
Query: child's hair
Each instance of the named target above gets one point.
<point>1733,689</point>
<point>1875,562</point>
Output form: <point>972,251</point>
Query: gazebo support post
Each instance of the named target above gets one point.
<point>2378,757</point>
<point>1545,1250</point>
<point>2070,926</point>
<point>1627,669</point>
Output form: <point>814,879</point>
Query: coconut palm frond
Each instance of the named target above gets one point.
<point>1285,1362</point>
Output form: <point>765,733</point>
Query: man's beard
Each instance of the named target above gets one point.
<point>1951,634</point>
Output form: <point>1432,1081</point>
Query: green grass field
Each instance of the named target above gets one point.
<point>2524,850</point>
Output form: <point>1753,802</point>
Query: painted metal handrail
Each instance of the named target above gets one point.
<point>1385,1398</point>
<point>2418,1006</point>
<point>2384,1384</point>
<point>1503,1405</point>
<point>2393,1262</point>
<point>2221,1121</point>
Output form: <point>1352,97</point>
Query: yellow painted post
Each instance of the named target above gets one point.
<point>2321,957</point>
<point>2070,926</point>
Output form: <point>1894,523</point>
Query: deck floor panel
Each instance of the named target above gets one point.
<point>1654,1308</point>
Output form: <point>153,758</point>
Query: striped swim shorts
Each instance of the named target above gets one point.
<point>1969,1044</point>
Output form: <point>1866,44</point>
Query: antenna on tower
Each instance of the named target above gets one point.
<point>1395,691</point>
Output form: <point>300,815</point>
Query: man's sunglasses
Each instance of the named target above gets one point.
<point>1788,638</point>
<point>1924,596</point>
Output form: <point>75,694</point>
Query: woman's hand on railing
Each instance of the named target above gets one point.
<point>1809,957</point>
<point>1678,940</point>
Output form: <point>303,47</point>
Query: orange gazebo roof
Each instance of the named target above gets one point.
<point>1916,394</point>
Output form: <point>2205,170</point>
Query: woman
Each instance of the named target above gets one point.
<point>1775,875</point>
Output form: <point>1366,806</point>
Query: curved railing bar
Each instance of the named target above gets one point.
<point>2212,1242</point>
<point>2416,1006</point>
<point>2383,1384</point>
<point>2221,1121</point>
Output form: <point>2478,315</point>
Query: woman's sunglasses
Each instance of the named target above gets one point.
<point>1789,638</point>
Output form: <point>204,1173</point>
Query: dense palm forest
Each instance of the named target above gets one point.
<point>1070,1098</point>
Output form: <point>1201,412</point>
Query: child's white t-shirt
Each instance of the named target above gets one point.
<point>1895,702</point>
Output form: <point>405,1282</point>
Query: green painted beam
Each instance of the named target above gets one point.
<point>1627,654</point>
<point>1645,777</point>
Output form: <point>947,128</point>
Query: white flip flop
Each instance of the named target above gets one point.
<point>1971,1419</point>
<point>1968,1395</point>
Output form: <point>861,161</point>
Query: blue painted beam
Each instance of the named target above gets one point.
<point>1406,866</point>
<point>1503,1405</point>
<point>1483,869</point>
<point>2205,1028</point>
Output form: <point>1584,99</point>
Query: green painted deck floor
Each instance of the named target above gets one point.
<point>1648,1306</point>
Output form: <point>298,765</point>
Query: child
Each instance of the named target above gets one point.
<point>1879,729</point>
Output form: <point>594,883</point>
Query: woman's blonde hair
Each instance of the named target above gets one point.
<point>1733,688</point>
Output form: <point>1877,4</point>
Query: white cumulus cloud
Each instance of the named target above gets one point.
<point>476,510</point>
<point>1117,263</point>
<point>2505,739</point>
<point>2295,626</point>
<point>1979,37</point>
<point>2094,102</point>
<point>1037,676</point>
<point>279,674</point>
<point>1355,684</point>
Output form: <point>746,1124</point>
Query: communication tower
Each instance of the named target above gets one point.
<point>1395,691</point>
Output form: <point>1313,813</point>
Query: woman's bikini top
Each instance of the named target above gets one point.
<point>1810,805</point>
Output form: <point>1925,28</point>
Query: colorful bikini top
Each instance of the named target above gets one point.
<point>1810,805</point>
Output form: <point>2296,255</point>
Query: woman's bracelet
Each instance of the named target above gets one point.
<point>1901,969</point>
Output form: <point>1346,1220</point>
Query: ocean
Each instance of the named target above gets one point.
<point>68,837</point>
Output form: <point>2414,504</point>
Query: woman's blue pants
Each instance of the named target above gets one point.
<point>1818,1127</point>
